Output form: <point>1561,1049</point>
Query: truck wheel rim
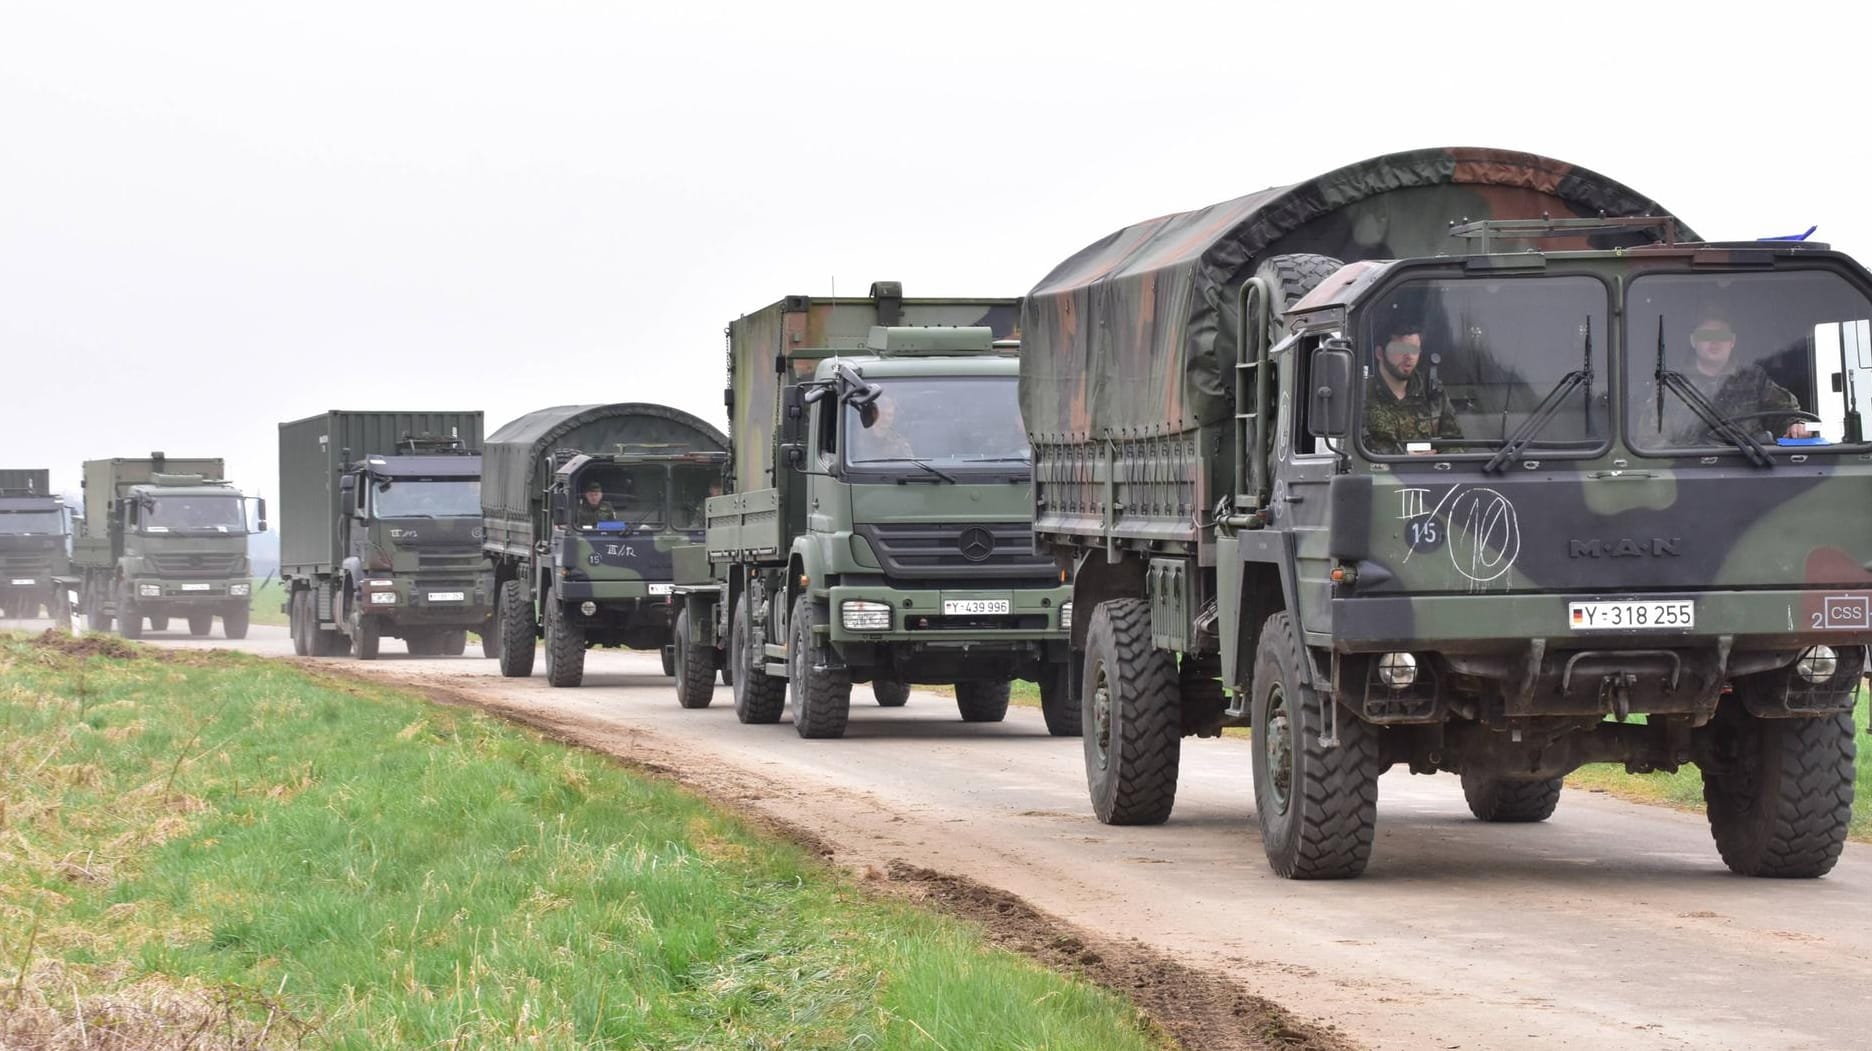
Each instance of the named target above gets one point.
<point>1102,719</point>
<point>1277,747</point>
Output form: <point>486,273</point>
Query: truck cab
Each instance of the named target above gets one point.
<point>35,544</point>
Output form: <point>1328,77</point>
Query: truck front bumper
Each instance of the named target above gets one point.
<point>429,603</point>
<point>188,594</point>
<point>976,617</point>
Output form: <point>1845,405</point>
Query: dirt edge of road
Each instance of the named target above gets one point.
<point>1198,1010</point>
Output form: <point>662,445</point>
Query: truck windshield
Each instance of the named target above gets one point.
<point>1469,366</point>
<point>939,420</point>
<point>1717,363</point>
<point>193,514</point>
<point>692,486</point>
<point>16,522</point>
<point>417,498</point>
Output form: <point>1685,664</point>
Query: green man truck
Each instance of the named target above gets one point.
<point>1467,461</point>
<point>583,507</point>
<point>380,533</point>
<point>879,529</point>
<point>35,541</point>
<point>163,538</point>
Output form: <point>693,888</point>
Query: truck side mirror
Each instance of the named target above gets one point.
<point>792,415</point>
<point>561,512</point>
<point>261,501</point>
<point>1329,398</point>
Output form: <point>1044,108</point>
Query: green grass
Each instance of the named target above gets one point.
<point>218,837</point>
<point>1685,787</point>
<point>266,602</point>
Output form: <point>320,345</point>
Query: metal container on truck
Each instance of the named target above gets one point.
<point>1464,460</point>
<point>879,529</point>
<point>35,544</point>
<point>380,533</point>
<point>582,506</point>
<point>163,537</point>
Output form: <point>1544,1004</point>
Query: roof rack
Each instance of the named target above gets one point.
<point>1546,226</point>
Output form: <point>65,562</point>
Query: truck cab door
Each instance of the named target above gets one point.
<point>1303,473</point>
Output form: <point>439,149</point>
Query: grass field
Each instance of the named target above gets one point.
<point>266,602</point>
<point>211,850</point>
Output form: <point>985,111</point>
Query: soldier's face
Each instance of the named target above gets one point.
<point>1714,342</point>
<point>1401,354</point>
<point>593,497</point>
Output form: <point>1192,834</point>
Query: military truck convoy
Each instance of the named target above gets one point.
<point>878,529</point>
<point>1460,498</point>
<point>163,538</point>
<point>35,544</point>
<point>582,507</point>
<point>380,533</point>
<point>1432,460</point>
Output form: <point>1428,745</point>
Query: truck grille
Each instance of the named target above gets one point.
<point>999,551</point>
<point>212,565</point>
<point>23,562</point>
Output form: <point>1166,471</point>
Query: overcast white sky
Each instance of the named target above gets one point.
<point>217,217</point>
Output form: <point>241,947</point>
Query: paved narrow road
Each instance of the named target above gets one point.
<point>1612,925</point>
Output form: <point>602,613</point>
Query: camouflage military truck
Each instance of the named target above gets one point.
<point>163,538</point>
<point>879,529</point>
<point>582,507</point>
<point>35,542</point>
<point>380,533</point>
<point>1600,537</point>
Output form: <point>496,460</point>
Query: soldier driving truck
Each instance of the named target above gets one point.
<point>1536,574</point>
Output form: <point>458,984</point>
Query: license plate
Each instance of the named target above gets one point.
<point>1672,615</point>
<point>661,589</point>
<point>23,583</point>
<point>972,607</point>
<point>195,587</point>
<point>446,596</point>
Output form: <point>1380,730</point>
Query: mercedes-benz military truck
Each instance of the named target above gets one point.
<point>163,538</point>
<point>1466,461</point>
<point>879,529</point>
<point>35,544</point>
<point>380,533</point>
<point>582,507</point>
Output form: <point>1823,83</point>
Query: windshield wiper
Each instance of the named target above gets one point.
<point>925,464</point>
<point>1678,384</point>
<point>1548,408</point>
<point>999,459</point>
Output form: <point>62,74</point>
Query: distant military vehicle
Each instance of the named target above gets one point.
<point>879,530</point>
<point>582,506</point>
<point>35,543</point>
<point>380,533</point>
<point>1541,489</point>
<point>163,538</point>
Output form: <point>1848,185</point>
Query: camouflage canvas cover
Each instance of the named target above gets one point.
<point>800,323</point>
<point>1134,336</point>
<point>514,474</point>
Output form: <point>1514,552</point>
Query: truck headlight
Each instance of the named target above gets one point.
<point>1398,670</point>
<point>859,615</point>
<point>240,590</point>
<point>383,598</point>
<point>380,583</point>
<point>149,591</point>
<point>1065,616</point>
<point>1817,664</point>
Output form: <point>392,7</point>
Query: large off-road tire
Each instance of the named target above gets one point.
<point>367,641</point>
<point>155,623</point>
<point>695,666</point>
<point>821,694</point>
<point>1059,705</point>
<point>889,693</point>
<point>296,623</point>
<point>982,702</point>
<point>1318,806</point>
<point>234,622</point>
<point>1129,717</point>
<point>454,642</point>
<point>668,656</point>
<point>1289,278</point>
<point>1494,799</point>
<point>95,617</point>
<point>565,647</point>
<point>129,621</point>
<point>200,625</point>
<point>490,638</point>
<point>758,697</point>
<point>1782,807</point>
<point>517,636</point>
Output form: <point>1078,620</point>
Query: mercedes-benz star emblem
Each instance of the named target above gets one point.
<point>976,544</point>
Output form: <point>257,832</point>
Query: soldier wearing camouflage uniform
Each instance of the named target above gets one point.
<point>1400,407</point>
<point>1734,390</point>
